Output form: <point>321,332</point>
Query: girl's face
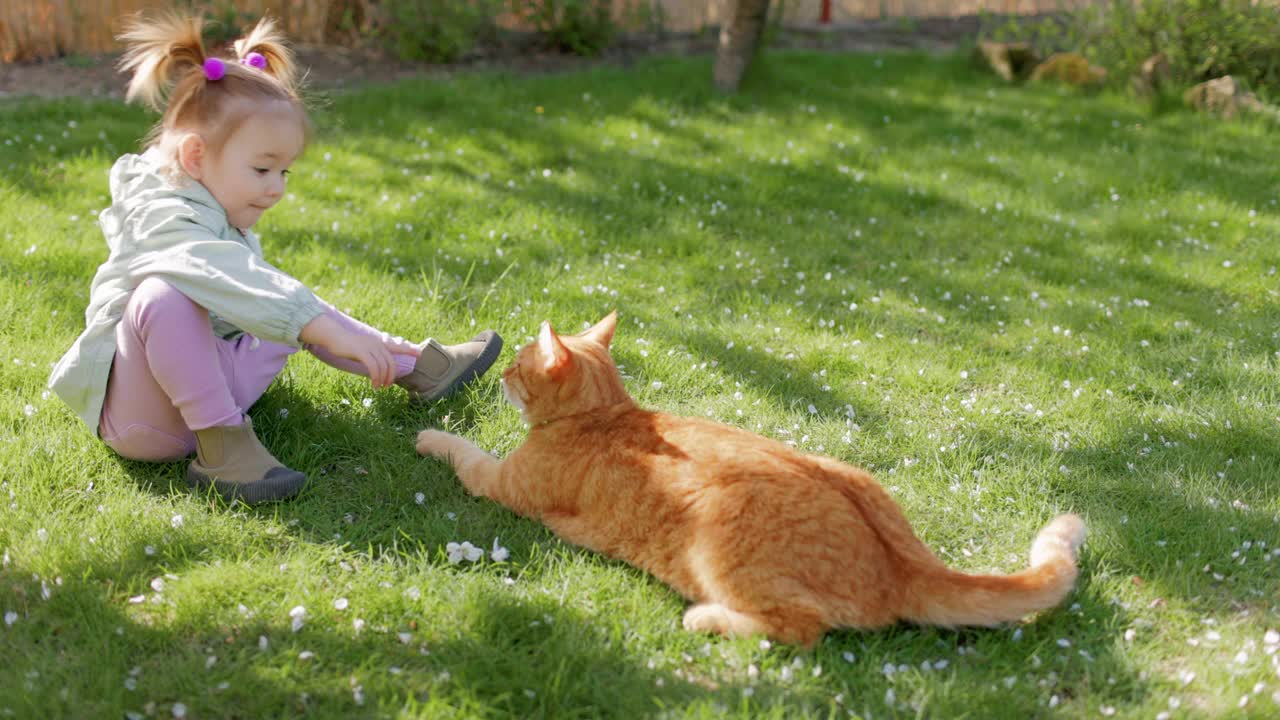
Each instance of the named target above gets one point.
<point>248,174</point>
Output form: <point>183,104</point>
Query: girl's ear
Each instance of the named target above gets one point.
<point>192,153</point>
<point>555,356</point>
<point>602,332</point>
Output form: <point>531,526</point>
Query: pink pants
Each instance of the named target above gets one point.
<point>173,376</point>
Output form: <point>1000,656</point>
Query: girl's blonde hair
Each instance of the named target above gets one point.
<point>166,58</point>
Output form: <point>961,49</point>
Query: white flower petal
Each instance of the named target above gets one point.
<point>499,553</point>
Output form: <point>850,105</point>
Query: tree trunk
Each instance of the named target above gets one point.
<point>739,36</point>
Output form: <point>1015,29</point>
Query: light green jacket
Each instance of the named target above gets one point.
<point>179,233</point>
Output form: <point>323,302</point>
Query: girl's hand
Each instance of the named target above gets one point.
<point>376,354</point>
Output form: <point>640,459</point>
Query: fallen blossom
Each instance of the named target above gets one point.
<point>463,551</point>
<point>499,553</point>
<point>298,615</point>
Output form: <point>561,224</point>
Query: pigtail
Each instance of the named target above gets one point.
<point>200,93</point>
<point>266,40</point>
<point>160,50</point>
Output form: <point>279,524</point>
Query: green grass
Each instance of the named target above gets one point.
<point>1006,302</point>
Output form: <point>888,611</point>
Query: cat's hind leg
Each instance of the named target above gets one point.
<point>477,469</point>
<point>716,618</point>
<point>572,528</point>
<point>795,627</point>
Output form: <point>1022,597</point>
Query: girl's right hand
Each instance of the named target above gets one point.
<point>371,352</point>
<point>375,353</point>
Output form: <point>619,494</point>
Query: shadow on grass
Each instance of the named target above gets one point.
<point>507,658</point>
<point>93,651</point>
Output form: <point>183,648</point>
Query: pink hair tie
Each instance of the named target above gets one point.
<point>214,69</point>
<point>255,60</point>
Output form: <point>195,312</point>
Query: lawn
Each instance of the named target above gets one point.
<point>1007,302</point>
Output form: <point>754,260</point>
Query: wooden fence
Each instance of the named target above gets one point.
<point>33,29</point>
<point>695,14</point>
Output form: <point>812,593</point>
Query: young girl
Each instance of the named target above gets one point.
<point>187,324</point>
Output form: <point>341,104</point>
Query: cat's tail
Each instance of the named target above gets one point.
<point>941,596</point>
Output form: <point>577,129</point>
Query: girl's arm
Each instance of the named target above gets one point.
<point>225,277</point>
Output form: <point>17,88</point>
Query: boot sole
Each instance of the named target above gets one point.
<point>281,486</point>
<point>477,368</point>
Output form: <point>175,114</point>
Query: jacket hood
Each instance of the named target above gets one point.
<point>148,182</point>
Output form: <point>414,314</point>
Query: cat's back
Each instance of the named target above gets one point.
<point>698,450</point>
<point>710,441</point>
<point>683,456</point>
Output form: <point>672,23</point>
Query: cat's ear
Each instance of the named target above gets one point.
<point>602,332</point>
<point>554,354</point>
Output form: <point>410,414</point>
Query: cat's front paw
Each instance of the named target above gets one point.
<point>435,443</point>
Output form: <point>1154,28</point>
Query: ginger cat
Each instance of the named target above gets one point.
<point>762,538</point>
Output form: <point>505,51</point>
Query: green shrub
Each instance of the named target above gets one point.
<point>1202,39</point>
<point>224,22</point>
<point>436,30</point>
<point>584,27</point>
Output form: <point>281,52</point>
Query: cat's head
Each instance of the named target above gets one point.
<point>559,375</point>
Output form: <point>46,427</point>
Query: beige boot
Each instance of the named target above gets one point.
<point>230,458</point>
<point>442,369</point>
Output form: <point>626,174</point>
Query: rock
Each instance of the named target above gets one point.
<point>1069,68</point>
<point>1153,76</point>
<point>1223,96</point>
<point>1010,61</point>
